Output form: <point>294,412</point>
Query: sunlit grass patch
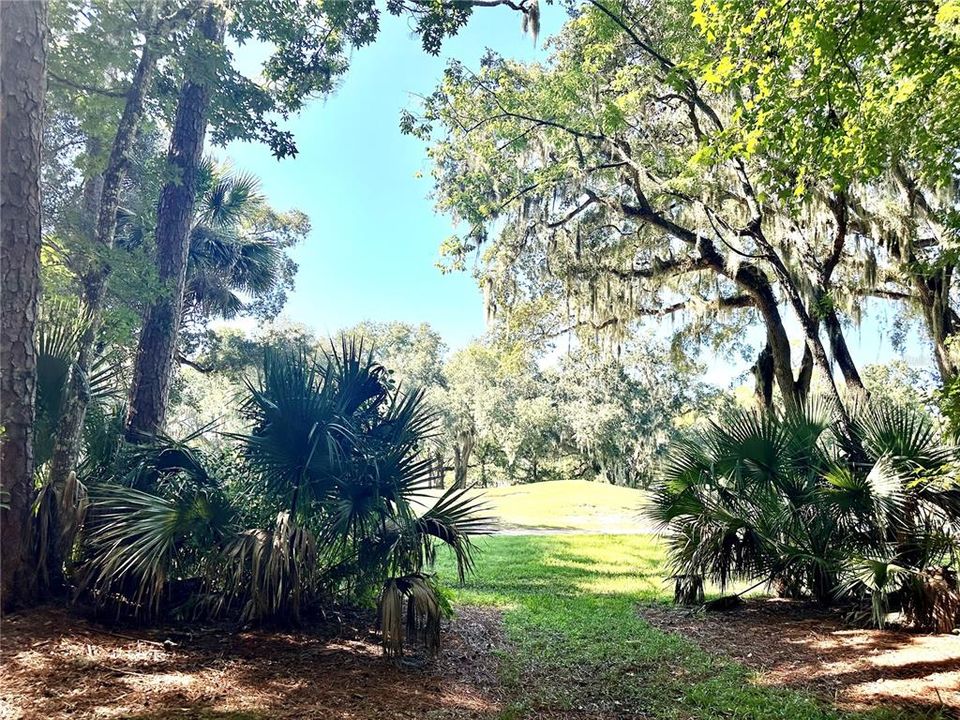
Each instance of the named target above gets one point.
<point>568,505</point>
<point>578,643</point>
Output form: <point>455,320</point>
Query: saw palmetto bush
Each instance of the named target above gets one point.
<point>60,505</point>
<point>869,515</point>
<point>316,503</point>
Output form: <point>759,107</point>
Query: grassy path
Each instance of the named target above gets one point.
<point>579,648</point>
<point>566,506</point>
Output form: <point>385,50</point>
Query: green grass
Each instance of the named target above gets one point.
<point>577,642</point>
<point>567,505</point>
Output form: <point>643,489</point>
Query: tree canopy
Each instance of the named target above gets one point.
<point>633,176</point>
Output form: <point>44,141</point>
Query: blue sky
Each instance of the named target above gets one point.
<point>373,248</point>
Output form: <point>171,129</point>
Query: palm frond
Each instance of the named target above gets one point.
<point>134,540</point>
<point>271,569</point>
<point>409,607</point>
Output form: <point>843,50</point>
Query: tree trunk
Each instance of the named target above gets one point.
<point>67,442</point>
<point>757,285</point>
<point>154,363</point>
<point>811,329</point>
<point>804,376</point>
<point>461,459</point>
<point>839,204</point>
<point>23,67</point>
<point>940,319</point>
<point>778,341</point>
<point>763,374</point>
<point>441,469</point>
<point>841,353</point>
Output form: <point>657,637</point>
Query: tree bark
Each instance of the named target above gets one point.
<point>841,353</point>
<point>804,376</point>
<point>462,450</point>
<point>23,65</point>
<point>157,346</point>
<point>839,204</point>
<point>763,374</point>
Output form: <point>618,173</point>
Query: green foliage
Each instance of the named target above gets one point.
<point>238,262</point>
<point>414,353</point>
<point>58,336</point>
<point>138,542</point>
<point>316,503</point>
<point>788,499</point>
<point>839,92</point>
<point>661,163</point>
<point>619,414</point>
<point>948,398</point>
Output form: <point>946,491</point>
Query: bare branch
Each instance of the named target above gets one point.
<point>83,87</point>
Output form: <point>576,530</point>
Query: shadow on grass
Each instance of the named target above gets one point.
<point>579,647</point>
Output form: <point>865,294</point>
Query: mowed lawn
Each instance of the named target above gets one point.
<point>566,506</point>
<point>578,648</point>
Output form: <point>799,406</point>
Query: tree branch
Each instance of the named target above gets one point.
<point>184,360</point>
<point>591,199</point>
<point>83,87</point>
<point>724,303</point>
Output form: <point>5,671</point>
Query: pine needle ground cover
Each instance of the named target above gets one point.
<point>565,627</point>
<point>578,647</point>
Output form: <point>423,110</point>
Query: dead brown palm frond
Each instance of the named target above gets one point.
<point>932,600</point>
<point>410,607</point>
<point>271,569</point>
<point>59,512</point>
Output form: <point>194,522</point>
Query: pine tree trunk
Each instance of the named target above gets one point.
<point>23,64</point>
<point>154,365</point>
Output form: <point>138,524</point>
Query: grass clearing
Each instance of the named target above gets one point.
<point>567,506</point>
<point>580,649</point>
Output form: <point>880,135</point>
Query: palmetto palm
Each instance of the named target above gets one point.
<point>230,261</point>
<point>339,451</point>
<point>60,507</point>
<point>790,499</point>
<point>332,465</point>
<point>57,342</point>
<point>228,258</point>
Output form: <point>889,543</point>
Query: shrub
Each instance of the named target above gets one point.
<point>793,500</point>
<point>316,502</point>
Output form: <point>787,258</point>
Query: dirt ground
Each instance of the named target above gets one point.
<point>54,666</point>
<point>796,645</point>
